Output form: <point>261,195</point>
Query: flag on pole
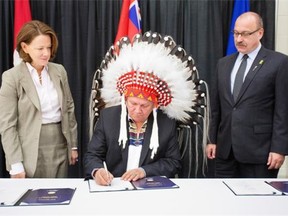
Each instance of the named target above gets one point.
<point>22,14</point>
<point>240,6</point>
<point>130,20</point>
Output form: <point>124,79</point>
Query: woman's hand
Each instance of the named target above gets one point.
<point>74,157</point>
<point>19,175</point>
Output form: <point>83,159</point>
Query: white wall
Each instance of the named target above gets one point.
<point>281,45</point>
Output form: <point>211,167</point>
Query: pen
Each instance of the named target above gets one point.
<point>105,167</point>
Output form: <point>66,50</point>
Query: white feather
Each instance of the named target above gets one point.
<point>152,58</point>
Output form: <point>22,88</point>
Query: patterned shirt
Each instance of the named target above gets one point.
<point>134,138</point>
<point>135,144</point>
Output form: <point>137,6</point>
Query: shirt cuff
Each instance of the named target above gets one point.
<point>93,172</point>
<point>16,168</point>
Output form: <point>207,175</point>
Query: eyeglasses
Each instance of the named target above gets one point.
<point>244,34</point>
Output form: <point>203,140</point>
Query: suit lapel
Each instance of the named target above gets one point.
<point>145,146</point>
<point>227,70</point>
<point>254,69</point>
<point>27,83</point>
<point>147,136</point>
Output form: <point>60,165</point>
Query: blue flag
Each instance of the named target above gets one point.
<point>240,6</point>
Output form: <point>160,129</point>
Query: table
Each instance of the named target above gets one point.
<point>194,197</point>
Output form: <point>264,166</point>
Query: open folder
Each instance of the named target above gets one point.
<point>252,187</point>
<point>117,184</point>
<point>280,186</point>
<point>42,196</point>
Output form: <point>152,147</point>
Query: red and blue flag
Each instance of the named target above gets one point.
<point>130,20</point>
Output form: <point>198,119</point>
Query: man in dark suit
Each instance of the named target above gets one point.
<point>133,161</point>
<point>145,87</point>
<point>249,132</point>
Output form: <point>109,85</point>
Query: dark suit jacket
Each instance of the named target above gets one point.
<point>257,123</point>
<point>104,146</point>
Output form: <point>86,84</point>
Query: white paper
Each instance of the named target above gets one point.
<point>117,184</point>
<point>250,187</point>
<point>8,197</point>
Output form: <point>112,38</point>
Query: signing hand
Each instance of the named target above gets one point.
<point>103,177</point>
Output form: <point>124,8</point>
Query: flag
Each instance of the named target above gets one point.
<point>130,20</point>
<point>22,14</point>
<point>240,6</point>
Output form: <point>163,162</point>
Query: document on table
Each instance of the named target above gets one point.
<point>155,182</point>
<point>250,187</point>
<point>117,184</point>
<point>48,196</point>
<point>10,196</point>
<point>41,196</point>
<point>279,185</point>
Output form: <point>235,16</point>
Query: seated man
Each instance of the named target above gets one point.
<point>136,133</point>
<point>133,162</point>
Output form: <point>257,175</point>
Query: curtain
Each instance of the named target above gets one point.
<point>87,28</point>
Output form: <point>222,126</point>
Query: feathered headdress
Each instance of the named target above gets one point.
<point>149,67</point>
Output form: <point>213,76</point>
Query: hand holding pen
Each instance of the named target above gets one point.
<point>108,179</point>
<point>102,176</point>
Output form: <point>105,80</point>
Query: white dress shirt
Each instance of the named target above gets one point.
<point>250,59</point>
